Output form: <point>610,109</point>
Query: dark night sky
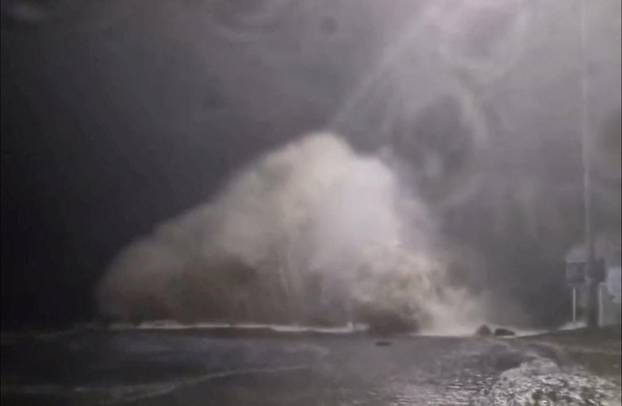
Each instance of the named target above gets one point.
<point>112,120</point>
<point>118,115</point>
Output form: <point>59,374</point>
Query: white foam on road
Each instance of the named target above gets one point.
<point>573,325</point>
<point>468,330</point>
<point>542,381</point>
<point>280,328</point>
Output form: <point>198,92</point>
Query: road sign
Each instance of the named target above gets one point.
<point>600,271</point>
<point>613,283</point>
<point>575,273</point>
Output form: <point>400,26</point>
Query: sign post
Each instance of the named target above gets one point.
<point>575,277</point>
<point>574,305</point>
<point>580,273</point>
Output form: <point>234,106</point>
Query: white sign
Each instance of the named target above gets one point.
<point>613,283</point>
<point>575,273</point>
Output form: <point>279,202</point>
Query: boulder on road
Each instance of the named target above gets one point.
<point>483,331</point>
<point>504,332</point>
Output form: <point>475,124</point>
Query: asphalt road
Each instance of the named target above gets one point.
<point>198,367</point>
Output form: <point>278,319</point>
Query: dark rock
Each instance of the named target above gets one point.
<point>503,332</point>
<point>483,331</point>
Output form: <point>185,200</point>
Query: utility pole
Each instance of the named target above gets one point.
<point>591,282</point>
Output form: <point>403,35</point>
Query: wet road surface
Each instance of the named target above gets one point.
<point>196,367</point>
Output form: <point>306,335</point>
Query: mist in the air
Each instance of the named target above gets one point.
<point>455,171</point>
<point>312,233</point>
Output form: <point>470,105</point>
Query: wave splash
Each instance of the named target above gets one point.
<point>313,233</point>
